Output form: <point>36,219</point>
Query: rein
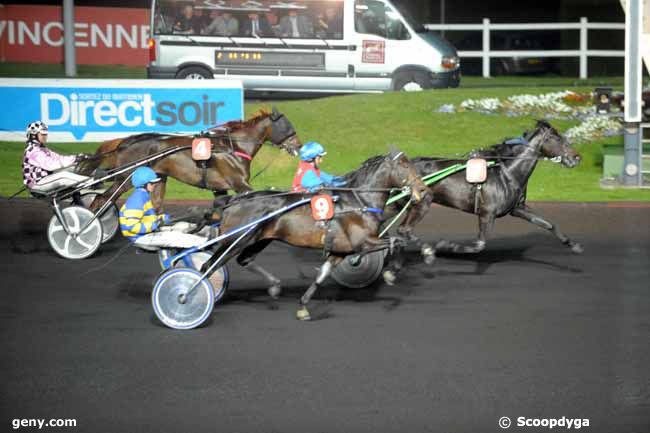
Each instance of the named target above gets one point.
<point>243,155</point>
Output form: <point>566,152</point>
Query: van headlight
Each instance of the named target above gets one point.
<point>450,62</point>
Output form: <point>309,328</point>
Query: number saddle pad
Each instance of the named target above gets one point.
<point>201,149</point>
<point>476,171</point>
<point>322,207</point>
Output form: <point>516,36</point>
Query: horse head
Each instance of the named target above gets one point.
<point>282,133</point>
<point>403,174</point>
<point>555,147</point>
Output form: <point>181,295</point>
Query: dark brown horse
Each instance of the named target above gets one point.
<point>235,144</point>
<point>354,228</point>
<point>503,193</point>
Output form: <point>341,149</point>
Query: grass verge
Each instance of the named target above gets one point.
<point>355,127</point>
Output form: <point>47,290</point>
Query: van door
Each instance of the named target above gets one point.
<point>384,43</point>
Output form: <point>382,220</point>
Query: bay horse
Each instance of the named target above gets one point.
<point>235,144</point>
<point>353,229</point>
<point>503,193</point>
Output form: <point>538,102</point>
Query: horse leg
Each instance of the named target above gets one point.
<point>114,189</point>
<point>246,260</point>
<point>323,273</point>
<point>226,250</point>
<point>394,245</point>
<point>524,212</point>
<point>405,229</point>
<point>158,194</point>
<point>485,224</point>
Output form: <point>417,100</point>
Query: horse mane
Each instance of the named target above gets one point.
<point>239,124</point>
<point>230,200</point>
<point>232,125</point>
<point>506,149</point>
<point>133,139</point>
<point>368,165</point>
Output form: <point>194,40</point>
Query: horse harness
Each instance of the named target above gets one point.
<point>221,132</point>
<point>328,240</point>
<point>478,187</point>
<point>229,149</point>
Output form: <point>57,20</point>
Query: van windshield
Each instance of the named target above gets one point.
<point>413,22</point>
<point>311,19</point>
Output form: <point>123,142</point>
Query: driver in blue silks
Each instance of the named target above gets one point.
<point>309,176</point>
<point>146,229</point>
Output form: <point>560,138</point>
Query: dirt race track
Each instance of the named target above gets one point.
<point>525,329</point>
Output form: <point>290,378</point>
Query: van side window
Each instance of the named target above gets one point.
<point>328,21</point>
<point>376,18</point>
<point>254,19</point>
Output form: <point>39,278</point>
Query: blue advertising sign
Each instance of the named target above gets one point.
<point>96,110</point>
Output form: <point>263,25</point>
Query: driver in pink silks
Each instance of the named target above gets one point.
<point>40,163</point>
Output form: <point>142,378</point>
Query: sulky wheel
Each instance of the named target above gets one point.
<point>355,273</point>
<point>164,254</point>
<point>109,219</point>
<point>219,278</point>
<point>175,306</point>
<point>75,245</point>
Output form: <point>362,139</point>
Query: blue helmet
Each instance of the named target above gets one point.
<point>311,150</point>
<point>143,176</point>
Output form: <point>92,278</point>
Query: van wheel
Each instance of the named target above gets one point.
<point>194,73</point>
<point>411,81</point>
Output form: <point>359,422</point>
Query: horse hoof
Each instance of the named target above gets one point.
<point>443,245</point>
<point>274,291</point>
<point>389,277</point>
<point>303,314</point>
<point>577,248</point>
<point>428,254</point>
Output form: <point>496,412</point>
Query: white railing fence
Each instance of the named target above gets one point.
<point>583,53</point>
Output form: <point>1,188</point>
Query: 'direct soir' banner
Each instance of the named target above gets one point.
<point>116,36</point>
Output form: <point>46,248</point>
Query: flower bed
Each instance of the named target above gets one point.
<point>566,105</point>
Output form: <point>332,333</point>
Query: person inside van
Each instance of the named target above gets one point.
<point>294,25</point>
<point>256,25</point>
<point>202,17</point>
<point>162,23</point>
<point>371,24</point>
<point>187,23</point>
<point>272,19</point>
<point>330,24</point>
<point>224,25</point>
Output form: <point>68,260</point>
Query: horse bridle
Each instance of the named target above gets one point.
<point>280,141</point>
<point>555,159</point>
<point>407,186</point>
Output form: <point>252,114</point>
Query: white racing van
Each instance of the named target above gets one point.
<point>301,45</point>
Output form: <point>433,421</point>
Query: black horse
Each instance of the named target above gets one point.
<point>503,193</point>
<point>354,228</point>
